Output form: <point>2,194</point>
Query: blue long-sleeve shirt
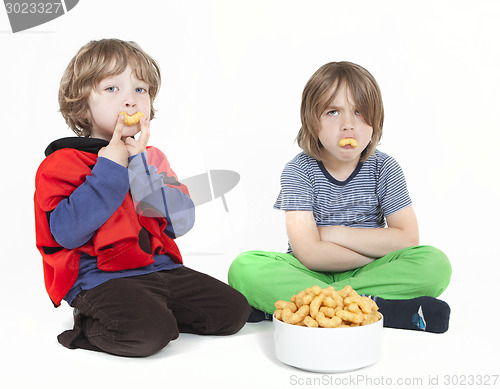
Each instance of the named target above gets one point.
<point>74,221</point>
<point>148,186</point>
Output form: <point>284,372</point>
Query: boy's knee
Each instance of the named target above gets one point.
<point>439,261</point>
<point>236,314</point>
<point>244,258</point>
<point>147,337</point>
<point>237,269</point>
<point>438,268</point>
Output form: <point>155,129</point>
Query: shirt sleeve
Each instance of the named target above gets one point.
<point>159,194</point>
<point>392,191</point>
<point>76,218</point>
<point>296,192</point>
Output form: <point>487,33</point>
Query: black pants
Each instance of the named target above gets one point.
<point>139,315</point>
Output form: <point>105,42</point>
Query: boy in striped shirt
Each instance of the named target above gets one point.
<point>349,216</point>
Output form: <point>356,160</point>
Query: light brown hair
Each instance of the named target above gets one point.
<point>321,90</point>
<point>94,62</point>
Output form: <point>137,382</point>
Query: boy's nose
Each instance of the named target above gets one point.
<point>129,100</point>
<point>348,123</point>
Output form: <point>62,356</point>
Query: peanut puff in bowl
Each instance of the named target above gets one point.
<point>327,331</point>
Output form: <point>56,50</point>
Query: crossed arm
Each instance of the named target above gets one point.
<point>340,248</point>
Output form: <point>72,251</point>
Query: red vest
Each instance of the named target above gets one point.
<point>127,240</point>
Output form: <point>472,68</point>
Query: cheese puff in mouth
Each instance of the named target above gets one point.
<point>348,141</point>
<point>131,120</point>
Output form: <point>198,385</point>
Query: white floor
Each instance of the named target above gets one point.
<point>468,351</point>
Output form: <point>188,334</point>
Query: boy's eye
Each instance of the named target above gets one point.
<point>333,112</point>
<point>141,90</point>
<point>111,88</point>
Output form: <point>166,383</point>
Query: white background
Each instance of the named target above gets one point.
<point>233,74</point>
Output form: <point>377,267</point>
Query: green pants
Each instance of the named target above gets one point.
<point>265,277</point>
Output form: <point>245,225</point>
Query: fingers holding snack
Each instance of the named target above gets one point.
<point>138,146</point>
<point>118,132</point>
<point>116,150</point>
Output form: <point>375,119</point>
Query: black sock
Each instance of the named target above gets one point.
<point>422,313</point>
<point>257,315</point>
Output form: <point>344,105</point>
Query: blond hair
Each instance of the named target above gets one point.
<point>94,62</point>
<point>321,90</point>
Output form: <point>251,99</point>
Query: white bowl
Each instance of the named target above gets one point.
<point>328,350</point>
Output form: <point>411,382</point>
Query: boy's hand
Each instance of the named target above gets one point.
<point>116,150</point>
<point>138,146</point>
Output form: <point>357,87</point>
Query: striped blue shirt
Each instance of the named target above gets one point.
<point>376,189</point>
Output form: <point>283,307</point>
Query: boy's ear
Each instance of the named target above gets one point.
<point>87,117</point>
<point>87,114</point>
